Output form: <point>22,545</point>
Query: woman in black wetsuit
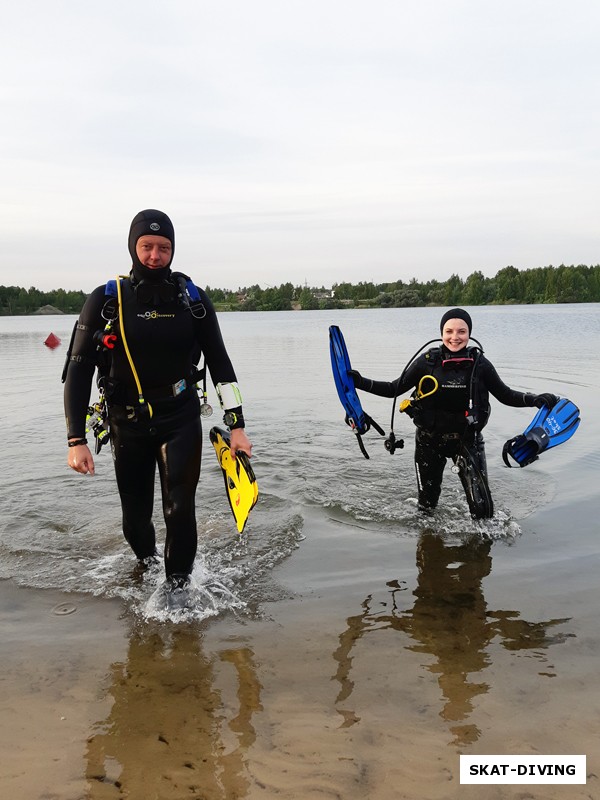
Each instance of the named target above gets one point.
<point>450,420</point>
<point>159,324</point>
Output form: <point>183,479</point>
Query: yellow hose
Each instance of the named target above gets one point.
<point>141,400</point>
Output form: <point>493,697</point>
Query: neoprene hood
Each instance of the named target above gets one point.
<point>457,313</point>
<point>150,223</point>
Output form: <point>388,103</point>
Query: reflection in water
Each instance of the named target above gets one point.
<point>167,734</point>
<point>449,620</point>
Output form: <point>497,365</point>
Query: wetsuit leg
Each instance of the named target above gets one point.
<point>430,462</point>
<point>473,475</point>
<point>179,463</point>
<point>173,439</point>
<point>134,455</point>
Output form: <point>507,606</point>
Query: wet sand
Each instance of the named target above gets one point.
<point>365,688</point>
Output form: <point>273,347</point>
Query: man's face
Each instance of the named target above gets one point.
<point>154,252</point>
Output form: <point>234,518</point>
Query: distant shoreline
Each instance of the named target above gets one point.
<point>548,285</point>
<point>225,308</point>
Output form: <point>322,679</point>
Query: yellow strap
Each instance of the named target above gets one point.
<point>420,393</point>
<point>408,402</point>
<point>129,358</point>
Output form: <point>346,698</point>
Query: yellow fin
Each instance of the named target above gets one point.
<point>241,485</point>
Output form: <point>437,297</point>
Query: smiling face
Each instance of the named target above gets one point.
<point>455,335</point>
<point>154,252</point>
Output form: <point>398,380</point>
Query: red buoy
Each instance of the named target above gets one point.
<point>52,341</point>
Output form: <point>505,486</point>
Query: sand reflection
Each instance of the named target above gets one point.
<point>446,617</point>
<point>171,732</point>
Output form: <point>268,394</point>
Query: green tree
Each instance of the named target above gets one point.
<point>474,292</point>
<point>406,298</point>
<point>453,291</point>
<point>365,291</point>
<point>308,302</point>
<point>286,291</point>
<point>551,287</point>
<point>343,291</point>
<point>509,287</point>
<point>216,295</point>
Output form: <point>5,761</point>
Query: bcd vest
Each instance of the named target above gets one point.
<point>458,402</point>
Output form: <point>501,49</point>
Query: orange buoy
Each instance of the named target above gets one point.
<point>52,341</point>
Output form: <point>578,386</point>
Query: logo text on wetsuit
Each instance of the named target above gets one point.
<point>454,383</point>
<point>154,315</point>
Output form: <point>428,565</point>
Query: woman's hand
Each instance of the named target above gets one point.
<point>359,381</point>
<point>546,399</point>
<point>239,441</point>
<point>81,460</point>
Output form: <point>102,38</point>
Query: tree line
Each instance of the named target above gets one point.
<point>15,300</point>
<point>510,286</point>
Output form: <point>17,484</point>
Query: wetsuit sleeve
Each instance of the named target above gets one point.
<point>391,388</point>
<point>211,341</point>
<point>217,358</point>
<point>82,364</point>
<point>496,387</point>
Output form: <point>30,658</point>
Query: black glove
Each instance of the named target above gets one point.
<point>546,399</point>
<point>358,379</point>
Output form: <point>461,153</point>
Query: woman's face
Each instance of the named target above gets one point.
<point>455,335</point>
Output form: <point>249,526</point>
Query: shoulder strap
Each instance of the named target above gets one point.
<point>192,290</point>
<point>433,355</point>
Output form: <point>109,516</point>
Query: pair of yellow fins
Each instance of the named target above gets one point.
<point>240,482</point>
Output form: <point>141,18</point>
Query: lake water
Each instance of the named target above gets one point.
<point>336,550</point>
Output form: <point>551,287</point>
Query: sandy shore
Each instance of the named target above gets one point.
<point>347,694</point>
<point>56,652</point>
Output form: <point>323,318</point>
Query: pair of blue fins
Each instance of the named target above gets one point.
<point>549,428</point>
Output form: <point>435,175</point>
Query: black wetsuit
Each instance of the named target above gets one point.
<point>165,340</point>
<point>450,421</point>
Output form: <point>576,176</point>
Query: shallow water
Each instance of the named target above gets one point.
<point>60,530</point>
<point>344,627</point>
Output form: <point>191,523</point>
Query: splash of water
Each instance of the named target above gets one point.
<point>194,601</point>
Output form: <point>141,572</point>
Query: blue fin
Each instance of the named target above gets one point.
<point>561,422</point>
<point>538,420</point>
<point>340,364</point>
<point>549,428</point>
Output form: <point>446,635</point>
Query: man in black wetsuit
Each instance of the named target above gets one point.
<point>449,421</point>
<point>159,324</point>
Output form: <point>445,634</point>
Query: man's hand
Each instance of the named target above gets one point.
<point>81,460</point>
<point>239,441</point>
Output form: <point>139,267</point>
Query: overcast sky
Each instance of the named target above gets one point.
<point>299,140</point>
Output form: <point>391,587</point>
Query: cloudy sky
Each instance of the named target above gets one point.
<point>309,141</point>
